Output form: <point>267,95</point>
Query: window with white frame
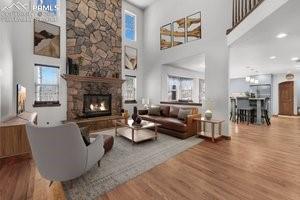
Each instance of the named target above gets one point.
<point>130,89</point>
<point>180,88</point>
<point>130,26</point>
<point>46,85</point>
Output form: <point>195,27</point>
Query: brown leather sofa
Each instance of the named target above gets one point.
<point>170,124</point>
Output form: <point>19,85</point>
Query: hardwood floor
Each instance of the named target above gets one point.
<point>258,163</point>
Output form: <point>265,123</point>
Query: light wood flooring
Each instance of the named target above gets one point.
<point>259,162</point>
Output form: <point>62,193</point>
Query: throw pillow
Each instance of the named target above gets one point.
<point>183,113</point>
<point>165,111</point>
<point>154,110</point>
<point>174,111</point>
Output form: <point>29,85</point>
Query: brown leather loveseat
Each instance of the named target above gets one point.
<point>170,123</point>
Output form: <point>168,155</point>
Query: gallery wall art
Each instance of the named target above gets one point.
<point>46,39</point>
<point>166,36</point>
<point>181,31</point>
<point>130,58</point>
<point>194,27</point>
<point>178,32</point>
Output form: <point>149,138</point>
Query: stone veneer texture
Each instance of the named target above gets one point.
<point>94,34</point>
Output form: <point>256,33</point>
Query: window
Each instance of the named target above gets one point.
<point>130,90</point>
<point>130,26</point>
<point>180,88</point>
<point>46,86</point>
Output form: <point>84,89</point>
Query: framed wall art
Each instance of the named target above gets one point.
<point>193,23</point>
<point>130,58</point>
<point>166,36</point>
<point>178,32</point>
<point>46,39</point>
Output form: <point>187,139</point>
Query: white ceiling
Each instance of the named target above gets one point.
<point>251,54</point>
<point>194,63</point>
<point>141,3</point>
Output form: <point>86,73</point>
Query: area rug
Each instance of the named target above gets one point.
<point>124,162</point>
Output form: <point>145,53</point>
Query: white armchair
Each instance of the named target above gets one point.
<point>60,152</point>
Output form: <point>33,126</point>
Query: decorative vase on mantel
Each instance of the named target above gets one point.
<point>208,114</point>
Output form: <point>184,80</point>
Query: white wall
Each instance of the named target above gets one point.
<point>175,71</point>
<point>139,46</point>
<point>7,88</point>
<point>279,78</point>
<point>215,21</point>
<point>24,60</point>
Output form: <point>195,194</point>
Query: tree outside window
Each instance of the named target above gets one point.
<point>130,89</point>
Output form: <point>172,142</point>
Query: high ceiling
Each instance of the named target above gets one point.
<point>194,63</point>
<point>250,55</point>
<point>141,3</point>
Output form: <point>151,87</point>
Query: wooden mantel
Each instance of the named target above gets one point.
<point>69,77</point>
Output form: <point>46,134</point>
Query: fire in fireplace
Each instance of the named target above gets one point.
<point>96,105</point>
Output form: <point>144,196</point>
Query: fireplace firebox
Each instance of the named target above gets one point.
<point>95,105</point>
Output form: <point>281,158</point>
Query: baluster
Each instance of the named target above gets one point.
<point>239,11</point>
<point>245,7</point>
<point>249,6</point>
<point>243,13</point>
<point>236,12</point>
<point>233,18</point>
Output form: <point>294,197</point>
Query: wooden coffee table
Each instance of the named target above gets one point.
<point>137,133</point>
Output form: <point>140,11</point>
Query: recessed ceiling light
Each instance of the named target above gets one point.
<point>273,57</point>
<point>282,35</point>
<point>295,59</point>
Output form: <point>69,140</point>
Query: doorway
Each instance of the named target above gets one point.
<point>286,98</point>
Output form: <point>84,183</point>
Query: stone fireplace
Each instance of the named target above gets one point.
<point>99,89</point>
<point>94,42</point>
<point>95,105</point>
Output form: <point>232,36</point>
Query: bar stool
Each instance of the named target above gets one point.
<point>233,109</point>
<point>244,110</point>
<point>265,111</point>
